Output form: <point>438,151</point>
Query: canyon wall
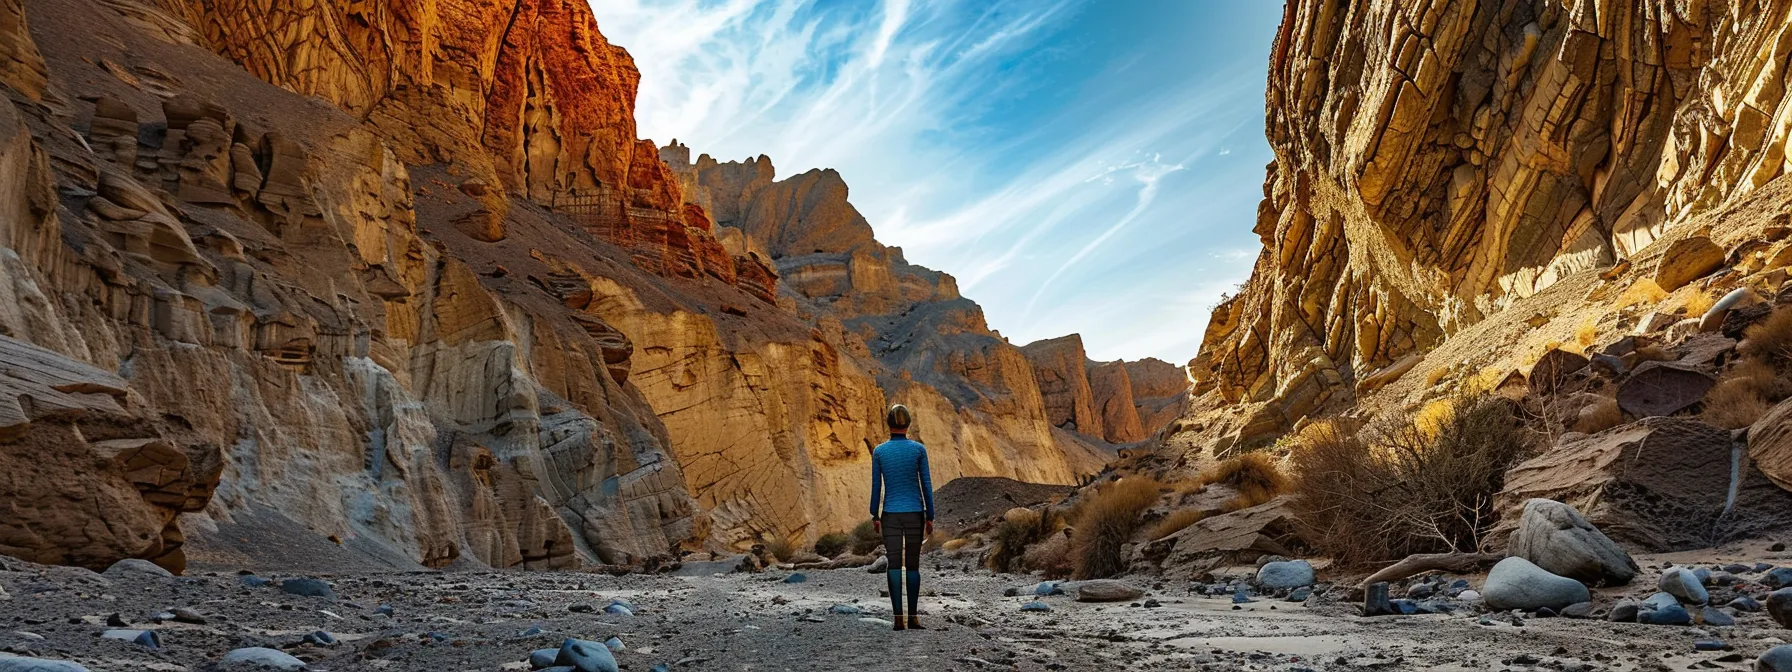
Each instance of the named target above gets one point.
<point>1435,161</point>
<point>401,274</point>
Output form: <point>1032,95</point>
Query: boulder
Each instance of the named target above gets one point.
<point>1106,590</point>
<point>257,658</point>
<point>1286,575</point>
<point>1554,370</point>
<point>1779,606</point>
<point>1662,388</point>
<point>1658,484</point>
<point>586,656</point>
<point>1517,583</point>
<point>133,568</point>
<point>1684,586</point>
<point>1239,537</point>
<point>1777,659</point>
<point>1770,444</point>
<point>1686,260</point>
<point>1559,539</point>
<point>308,587</point>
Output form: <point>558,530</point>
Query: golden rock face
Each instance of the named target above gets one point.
<point>1436,161</point>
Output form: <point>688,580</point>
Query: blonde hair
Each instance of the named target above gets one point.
<point>898,418</point>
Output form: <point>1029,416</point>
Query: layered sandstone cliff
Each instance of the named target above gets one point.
<point>402,275</point>
<point>1437,161</point>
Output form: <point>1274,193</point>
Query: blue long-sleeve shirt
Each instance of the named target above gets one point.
<point>902,464</point>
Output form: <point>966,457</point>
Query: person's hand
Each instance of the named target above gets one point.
<point>877,526</point>
<point>929,528</point>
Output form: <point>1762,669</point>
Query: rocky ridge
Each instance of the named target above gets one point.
<point>401,276</point>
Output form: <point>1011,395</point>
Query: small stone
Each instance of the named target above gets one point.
<point>1035,605</point>
<point>253,581</point>
<point>1778,577</point>
<point>1545,612</point>
<point>618,610</point>
<point>543,658</point>
<point>798,577</point>
<point>11,664</point>
<point>185,615</point>
<point>1107,591</point>
<point>614,644</point>
<point>1578,610</point>
<point>1684,585</point>
<point>1469,596</point>
<point>582,608</point>
<point>258,658</point>
<point>1241,596</point>
<point>1625,611</point>
<point>1709,645</point>
<point>1777,546</point>
<point>1420,591</point>
<point>308,588</point>
<point>1745,603</point>
<point>1674,615</point>
<point>1716,617</point>
<point>320,638</point>
<point>848,609</point>
<point>586,656</point>
<point>116,621</point>
<point>1299,594</point>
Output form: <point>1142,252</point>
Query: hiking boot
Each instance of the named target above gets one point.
<point>914,623</point>
<point>899,625</point>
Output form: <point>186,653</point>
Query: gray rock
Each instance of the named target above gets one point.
<point>9,663</point>
<point>1672,615</point>
<point>1685,585</point>
<point>1709,645</point>
<point>1778,577</point>
<point>1557,538</point>
<point>797,577</point>
<point>1716,617</point>
<point>1779,606</point>
<point>1035,605</point>
<point>1517,583</point>
<point>1286,575</point>
<point>1578,610</point>
<point>1744,603</point>
<point>1777,659</point>
<point>185,615</point>
<point>1106,590</point>
<point>615,645</point>
<point>847,609</point>
<point>1375,600</point>
<point>258,658</point>
<point>586,656</point>
<point>1660,601</point>
<point>881,564</point>
<point>543,658</point>
<point>130,568</point>
<point>308,588</point>
<point>1624,611</point>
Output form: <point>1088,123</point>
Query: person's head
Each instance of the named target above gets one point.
<point>898,419</point>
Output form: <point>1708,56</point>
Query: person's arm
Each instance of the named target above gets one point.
<point>877,489</point>
<point>927,488</point>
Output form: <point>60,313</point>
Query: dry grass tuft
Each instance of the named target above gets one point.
<point>1599,416</point>
<point>1698,302</point>
<point>1105,522</point>
<point>1770,340</point>
<point>953,545</point>
<point>1176,522</point>
<point>1745,393</point>
<point>780,548</point>
<point>1018,531</point>
<point>865,538</point>
<point>1654,353</point>
<point>1403,489</point>
<point>1435,376</point>
<point>832,544</point>
<point>1253,476</point>
<point>1586,334</point>
<point>1643,291</point>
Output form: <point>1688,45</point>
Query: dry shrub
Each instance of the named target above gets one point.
<point>780,548</point>
<point>1744,394</point>
<point>1654,353</point>
<point>1105,522</point>
<point>865,538</point>
<point>1599,416</point>
<point>952,546</point>
<point>1401,489</point>
<point>831,544</point>
<point>1770,340</point>
<point>1641,292</point>
<point>1177,521</point>
<point>1253,476</point>
<point>1698,303</point>
<point>1018,530</point>
<point>1050,556</point>
<point>1586,334</point>
<point>1435,376</point>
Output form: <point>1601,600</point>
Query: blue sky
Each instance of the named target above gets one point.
<point>1088,166</point>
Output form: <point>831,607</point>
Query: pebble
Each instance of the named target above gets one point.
<point>1035,605</point>
<point>259,658</point>
<point>614,609</point>
<point>1709,645</point>
<point>1286,575</point>
<point>320,638</point>
<point>543,658</point>
<point>144,638</point>
<point>1468,596</point>
<point>615,644</point>
<point>1241,597</point>
<point>383,610</point>
<point>1778,577</point>
<point>1779,606</point>
<point>1716,617</point>
<point>1745,603</point>
<point>1420,591</point>
<point>1674,615</point>
<point>132,567</point>
<point>1624,611</point>
<point>586,656</point>
<point>185,615</point>
<point>848,609</point>
<point>254,581</point>
<point>798,577</point>
<point>308,588</point>
<point>1578,610</point>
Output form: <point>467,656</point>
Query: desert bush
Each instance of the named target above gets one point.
<point>1050,556</point>
<point>1643,291</point>
<point>1253,476</point>
<point>1018,530</point>
<point>1745,393</point>
<point>1176,522</point>
<point>1599,416</point>
<point>1770,340</point>
<point>831,544</point>
<point>1105,522</point>
<point>865,538</point>
<point>1401,489</point>
<point>780,548</point>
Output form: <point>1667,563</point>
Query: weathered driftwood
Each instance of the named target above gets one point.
<point>1461,563</point>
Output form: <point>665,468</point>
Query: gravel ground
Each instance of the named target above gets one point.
<point>702,620</point>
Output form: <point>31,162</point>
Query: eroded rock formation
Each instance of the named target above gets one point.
<point>1436,161</point>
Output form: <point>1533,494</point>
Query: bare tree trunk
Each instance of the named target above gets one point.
<point>1461,563</point>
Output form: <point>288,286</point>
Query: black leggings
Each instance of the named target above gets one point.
<point>902,544</point>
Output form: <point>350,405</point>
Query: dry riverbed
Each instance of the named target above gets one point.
<point>700,619</point>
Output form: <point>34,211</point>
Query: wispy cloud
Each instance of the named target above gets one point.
<point>1049,153</point>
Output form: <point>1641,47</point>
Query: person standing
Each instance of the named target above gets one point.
<point>902,510</point>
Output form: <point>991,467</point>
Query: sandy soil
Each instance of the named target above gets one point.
<point>701,619</point>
